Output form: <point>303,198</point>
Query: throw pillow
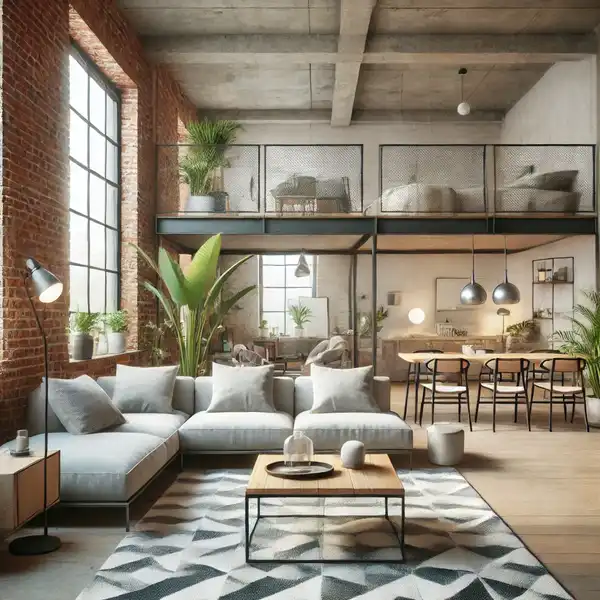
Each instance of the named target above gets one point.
<point>342,390</point>
<point>560,181</point>
<point>82,406</point>
<point>145,389</point>
<point>242,389</point>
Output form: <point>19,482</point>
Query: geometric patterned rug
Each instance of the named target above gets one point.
<point>190,547</point>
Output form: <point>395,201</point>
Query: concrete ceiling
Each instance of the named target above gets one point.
<point>274,57</point>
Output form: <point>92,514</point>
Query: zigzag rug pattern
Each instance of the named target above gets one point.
<point>190,547</point>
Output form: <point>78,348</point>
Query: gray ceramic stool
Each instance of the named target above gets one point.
<point>445,444</point>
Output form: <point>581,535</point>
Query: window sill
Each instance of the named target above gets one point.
<point>105,356</point>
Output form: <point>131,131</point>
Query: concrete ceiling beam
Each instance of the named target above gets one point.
<point>380,49</point>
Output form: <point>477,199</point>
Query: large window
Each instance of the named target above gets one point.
<point>280,288</point>
<point>94,192</point>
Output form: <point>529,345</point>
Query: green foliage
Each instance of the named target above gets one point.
<point>84,322</point>
<point>365,321</point>
<point>210,140</point>
<point>583,339</point>
<point>154,341</point>
<point>193,301</point>
<point>118,322</point>
<point>300,315</point>
<point>522,328</point>
<point>264,324</point>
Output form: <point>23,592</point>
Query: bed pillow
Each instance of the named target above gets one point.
<point>342,390</point>
<point>82,406</point>
<point>561,181</point>
<point>242,389</point>
<point>145,389</point>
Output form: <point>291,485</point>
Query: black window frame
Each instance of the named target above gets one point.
<point>111,90</point>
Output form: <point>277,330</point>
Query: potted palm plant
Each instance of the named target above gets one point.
<point>205,157</point>
<point>118,324</point>
<point>194,301</point>
<point>300,316</point>
<point>583,340</point>
<point>82,324</point>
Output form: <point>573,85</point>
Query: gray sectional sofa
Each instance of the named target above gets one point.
<point>113,467</point>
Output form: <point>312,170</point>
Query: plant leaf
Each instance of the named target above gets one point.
<point>151,262</point>
<point>201,273</point>
<point>172,276</point>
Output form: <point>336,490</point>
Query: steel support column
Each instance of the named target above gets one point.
<point>353,311</point>
<point>374,297</point>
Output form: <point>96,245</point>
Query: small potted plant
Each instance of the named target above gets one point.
<point>118,324</point>
<point>300,316</point>
<point>263,330</point>
<point>81,328</point>
<point>523,331</point>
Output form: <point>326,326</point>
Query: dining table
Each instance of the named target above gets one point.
<point>419,358</point>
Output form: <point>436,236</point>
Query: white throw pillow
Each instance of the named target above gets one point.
<point>342,390</point>
<point>82,406</point>
<point>242,389</point>
<point>145,389</point>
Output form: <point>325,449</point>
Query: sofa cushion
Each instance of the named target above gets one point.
<point>237,432</point>
<point>183,392</point>
<point>105,466</point>
<point>378,431</point>
<point>164,426</point>
<point>82,406</point>
<point>145,389</point>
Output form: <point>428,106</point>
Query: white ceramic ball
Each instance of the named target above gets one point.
<point>353,454</point>
<point>463,109</point>
<point>416,316</point>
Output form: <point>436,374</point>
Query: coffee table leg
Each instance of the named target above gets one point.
<point>402,532</point>
<point>247,519</point>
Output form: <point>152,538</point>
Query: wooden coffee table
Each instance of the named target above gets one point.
<point>378,479</point>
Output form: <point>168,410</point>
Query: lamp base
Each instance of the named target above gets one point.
<point>31,545</point>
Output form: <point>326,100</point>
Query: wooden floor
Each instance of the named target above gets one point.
<point>545,485</point>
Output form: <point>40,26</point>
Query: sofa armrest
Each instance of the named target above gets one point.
<point>382,390</point>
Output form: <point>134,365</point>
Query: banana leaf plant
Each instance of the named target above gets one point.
<point>194,300</point>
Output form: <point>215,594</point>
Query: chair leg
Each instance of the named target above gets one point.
<point>550,414</point>
<point>494,409</point>
<point>531,404</point>
<point>516,408</point>
<point>585,417</point>
<point>477,403</point>
<point>459,408</point>
<point>564,398</point>
<point>469,408</point>
<point>422,407</point>
<point>527,415</point>
<point>407,392</point>
<point>417,381</point>
<point>573,409</point>
<point>433,404</point>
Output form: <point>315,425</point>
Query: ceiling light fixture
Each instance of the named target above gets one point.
<point>464,108</point>
<point>506,292</point>
<point>302,269</point>
<point>473,294</point>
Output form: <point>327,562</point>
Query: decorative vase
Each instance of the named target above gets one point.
<point>353,454</point>
<point>298,448</point>
<point>299,332</point>
<point>593,410</point>
<point>202,203</point>
<point>263,332</point>
<point>117,342</point>
<point>83,346</point>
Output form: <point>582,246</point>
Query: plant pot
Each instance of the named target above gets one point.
<point>200,204</point>
<point>593,410</point>
<point>101,344</point>
<point>299,332</point>
<point>83,346</point>
<point>117,343</point>
<point>263,333</point>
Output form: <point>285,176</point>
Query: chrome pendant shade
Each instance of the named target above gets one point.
<point>506,292</point>
<point>473,294</point>
<point>302,268</point>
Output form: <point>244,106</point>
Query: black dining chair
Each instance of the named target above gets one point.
<point>416,370</point>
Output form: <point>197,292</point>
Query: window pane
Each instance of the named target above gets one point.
<point>112,118</point>
<point>273,259</point>
<point>78,289</point>
<point>112,199</point>
<point>275,320</point>
<point>78,241</point>
<point>112,297</point>
<point>293,281</point>
<point>78,139</point>
<point>97,290</point>
<point>273,299</point>
<point>112,170</point>
<point>273,276</point>
<point>97,243</point>
<point>112,245</point>
<point>97,152</point>
<point>78,189</point>
<point>292,295</point>
<point>97,105</point>
<point>292,259</point>
<point>97,201</point>
<point>78,86</point>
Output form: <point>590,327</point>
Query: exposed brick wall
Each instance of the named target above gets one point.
<point>35,177</point>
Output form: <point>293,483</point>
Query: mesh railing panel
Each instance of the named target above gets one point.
<point>544,179</point>
<point>234,187</point>
<point>438,179</point>
<point>313,178</point>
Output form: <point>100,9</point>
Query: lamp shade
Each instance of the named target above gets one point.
<point>506,293</point>
<point>46,285</point>
<point>503,312</point>
<point>416,316</point>
<point>473,294</point>
<point>302,269</point>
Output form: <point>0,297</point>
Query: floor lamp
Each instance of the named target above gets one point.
<point>503,312</point>
<point>47,288</point>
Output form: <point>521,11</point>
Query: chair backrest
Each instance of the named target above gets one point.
<point>448,366</point>
<point>508,365</point>
<point>563,365</point>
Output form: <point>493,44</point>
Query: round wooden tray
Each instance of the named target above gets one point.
<point>305,470</point>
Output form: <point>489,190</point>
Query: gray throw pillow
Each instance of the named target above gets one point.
<point>342,390</point>
<point>242,389</point>
<point>145,389</point>
<point>82,406</point>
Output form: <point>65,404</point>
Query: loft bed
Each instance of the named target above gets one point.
<point>498,179</point>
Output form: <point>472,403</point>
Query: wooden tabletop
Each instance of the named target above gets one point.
<point>9,465</point>
<point>377,478</point>
<point>423,357</point>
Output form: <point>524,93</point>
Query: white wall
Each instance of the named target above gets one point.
<point>559,109</point>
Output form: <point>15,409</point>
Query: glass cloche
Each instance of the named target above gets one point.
<point>297,450</point>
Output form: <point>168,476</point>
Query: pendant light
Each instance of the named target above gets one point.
<point>464,108</point>
<point>473,294</point>
<point>506,292</point>
<point>302,268</point>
